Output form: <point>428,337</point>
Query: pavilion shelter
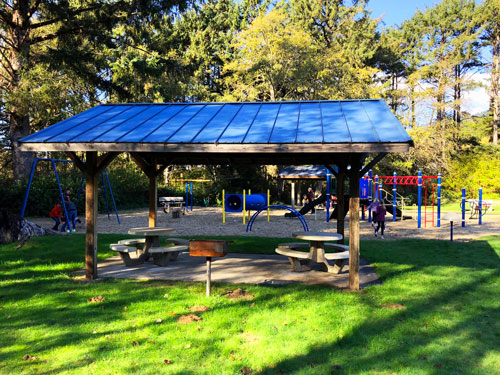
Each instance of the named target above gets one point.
<point>298,174</point>
<point>330,133</point>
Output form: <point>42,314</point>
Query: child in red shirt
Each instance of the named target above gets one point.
<point>56,215</point>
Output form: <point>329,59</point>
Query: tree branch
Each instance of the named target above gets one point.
<point>63,18</point>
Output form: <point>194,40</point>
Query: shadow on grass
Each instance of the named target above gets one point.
<point>447,327</point>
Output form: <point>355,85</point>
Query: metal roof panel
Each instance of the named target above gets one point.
<point>218,124</point>
<point>170,127</point>
<point>263,124</point>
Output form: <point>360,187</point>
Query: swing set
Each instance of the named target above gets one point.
<point>105,181</point>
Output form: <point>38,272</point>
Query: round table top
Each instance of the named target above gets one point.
<point>147,231</point>
<point>317,236</point>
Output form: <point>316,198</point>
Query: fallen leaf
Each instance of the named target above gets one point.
<point>167,361</point>
<point>107,336</point>
<point>246,370</point>
<point>284,323</point>
<point>199,309</point>
<point>199,328</point>
<point>159,320</point>
<point>71,292</point>
<point>231,356</point>
<point>187,346</point>
<point>239,294</point>
<point>172,313</point>
<point>102,348</point>
<point>438,365</point>
<point>96,299</point>
<point>186,319</point>
<point>125,308</point>
<point>135,343</point>
<point>27,357</point>
<point>94,332</point>
<point>252,304</point>
<point>165,295</point>
<point>396,306</point>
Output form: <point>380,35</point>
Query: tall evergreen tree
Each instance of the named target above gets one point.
<point>78,29</point>
<point>490,15</point>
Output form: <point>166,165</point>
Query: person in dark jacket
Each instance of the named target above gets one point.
<point>71,209</point>
<point>380,219</point>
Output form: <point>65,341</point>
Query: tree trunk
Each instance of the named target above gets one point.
<point>19,60</point>
<point>495,78</point>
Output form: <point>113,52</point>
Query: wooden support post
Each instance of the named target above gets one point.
<point>354,225</point>
<point>92,167</point>
<point>91,200</point>
<point>149,167</point>
<point>153,197</point>
<point>340,204</point>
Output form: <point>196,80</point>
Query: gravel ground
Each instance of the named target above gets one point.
<point>208,221</point>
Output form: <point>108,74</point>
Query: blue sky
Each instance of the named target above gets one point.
<point>396,11</point>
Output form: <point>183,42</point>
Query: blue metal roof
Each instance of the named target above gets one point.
<point>345,121</point>
<point>305,172</point>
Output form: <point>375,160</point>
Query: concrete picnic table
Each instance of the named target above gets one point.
<point>152,235</point>
<point>316,251</point>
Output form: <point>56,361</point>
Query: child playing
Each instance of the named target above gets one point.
<point>71,209</point>
<point>56,215</point>
<point>380,212</point>
<point>304,200</point>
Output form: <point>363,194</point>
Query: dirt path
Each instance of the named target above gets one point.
<point>208,221</point>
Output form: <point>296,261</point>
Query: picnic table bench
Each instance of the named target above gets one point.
<point>316,253</point>
<point>177,202</point>
<point>149,246</point>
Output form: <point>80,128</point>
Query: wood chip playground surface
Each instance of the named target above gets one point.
<point>203,221</point>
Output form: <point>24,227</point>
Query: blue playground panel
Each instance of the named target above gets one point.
<point>253,202</point>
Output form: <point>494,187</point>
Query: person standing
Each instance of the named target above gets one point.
<point>71,209</point>
<point>310,197</point>
<point>380,219</point>
<point>56,215</point>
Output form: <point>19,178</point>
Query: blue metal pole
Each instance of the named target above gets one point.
<point>62,196</point>
<point>376,187</point>
<point>451,231</point>
<point>370,194</point>
<point>191,195</point>
<point>439,201</point>
<point>187,196</point>
<point>328,176</point>
<point>480,205</point>
<point>363,194</point>
<point>112,196</point>
<point>380,191</point>
<point>394,191</point>
<point>419,215</point>
<point>463,207</point>
<point>27,193</point>
<point>105,195</point>
<point>79,190</point>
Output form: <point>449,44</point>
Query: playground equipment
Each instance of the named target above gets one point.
<point>244,202</point>
<point>53,162</point>
<point>293,210</point>
<point>420,181</point>
<point>477,207</point>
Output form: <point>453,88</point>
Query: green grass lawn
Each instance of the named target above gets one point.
<point>437,312</point>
